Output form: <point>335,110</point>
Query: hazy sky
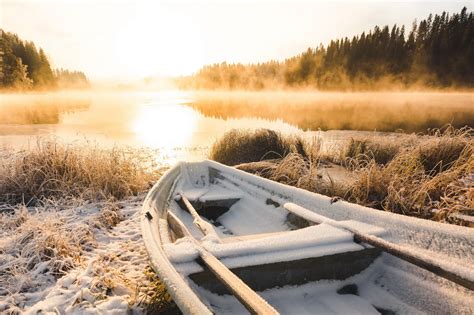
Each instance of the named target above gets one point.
<point>131,39</point>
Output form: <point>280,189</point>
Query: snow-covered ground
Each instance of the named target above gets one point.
<point>93,266</point>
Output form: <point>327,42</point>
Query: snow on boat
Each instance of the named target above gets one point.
<point>225,241</point>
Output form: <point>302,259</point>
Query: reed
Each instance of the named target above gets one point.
<point>428,176</point>
<point>242,146</point>
<point>56,170</point>
<point>420,181</point>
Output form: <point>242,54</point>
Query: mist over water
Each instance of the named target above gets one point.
<point>156,120</point>
<point>182,125</point>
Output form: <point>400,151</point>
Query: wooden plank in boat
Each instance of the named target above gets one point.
<point>204,226</point>
<point>249,298</point>
<point>436,267</point>
<point>261,277</point>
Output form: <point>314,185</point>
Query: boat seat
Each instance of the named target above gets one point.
<point>313,241</point>
<point>210,193</point>
<point>209,202</point>
<point>239,238</point>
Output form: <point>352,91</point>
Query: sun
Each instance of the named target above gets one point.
<point>155,42</point>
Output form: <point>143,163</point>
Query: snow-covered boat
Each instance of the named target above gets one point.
<point>225,241</point>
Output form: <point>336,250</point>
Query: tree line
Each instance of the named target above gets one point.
<point>437,52</point>
<point>23,66</point>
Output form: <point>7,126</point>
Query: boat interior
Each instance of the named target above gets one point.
<point>298,266</point>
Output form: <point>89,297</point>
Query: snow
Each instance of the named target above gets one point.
<point>250,216</point>
<point>117,259</point>
<point>264,236</point>
<point>455,243</point>
<point>321,235</point>
<point>379,286</point>
<point>108,275</point>
<point>314,241</point>
<point>208,194</point>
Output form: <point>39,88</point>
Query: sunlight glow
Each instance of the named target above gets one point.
<point>165,127</point>
<point>156,41</point>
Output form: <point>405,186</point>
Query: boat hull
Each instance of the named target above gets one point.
<point>197,291</point>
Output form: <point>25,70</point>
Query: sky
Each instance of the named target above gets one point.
<point>134,39</point>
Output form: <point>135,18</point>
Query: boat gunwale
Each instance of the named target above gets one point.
<point>190,303</point>
<point>187,300</point>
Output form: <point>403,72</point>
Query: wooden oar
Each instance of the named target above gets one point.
<point>253,302</point>
<point>204,226</point>
<point>466,280</point>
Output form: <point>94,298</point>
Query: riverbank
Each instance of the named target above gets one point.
<point>430,176</point>
<point>69,214</point>
<point>70,238</point>
<point>77,258</point>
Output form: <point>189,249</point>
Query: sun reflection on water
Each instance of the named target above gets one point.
<point>165,126</point>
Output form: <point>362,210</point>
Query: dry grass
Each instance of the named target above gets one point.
<point>40,244</point>
<point>296,170</point>
<point>157,300</point>
<point>55,170</point>
<point>108,217</point>
<point>429,176</point>
<point>431,180</point>
<point>362,151</point>
<point>242,146</point>
<point>43,245</point>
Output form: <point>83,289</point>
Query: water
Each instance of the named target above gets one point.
<point>158,120</point>
<point>180,125</point>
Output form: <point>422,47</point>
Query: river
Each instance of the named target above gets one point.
<point>167,121</point>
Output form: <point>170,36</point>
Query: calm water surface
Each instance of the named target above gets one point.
<point>162,121</point>
<point>159,120</point>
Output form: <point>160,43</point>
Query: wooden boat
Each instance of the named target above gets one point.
<point>225,241</point>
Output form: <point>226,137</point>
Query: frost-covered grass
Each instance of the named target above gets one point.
<point>429,176</point>
<point>242,146</point>
<point>364,150</point>
<point>433,179</point>
<point>70,239</point>
<point>295,170</point>
<point>56,170</point>
<point>76,259</point>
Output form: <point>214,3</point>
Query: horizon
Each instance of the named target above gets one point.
<point>186,36</point>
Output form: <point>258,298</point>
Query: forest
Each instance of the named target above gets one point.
<point>437,52</point>
<point>23,67</point>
